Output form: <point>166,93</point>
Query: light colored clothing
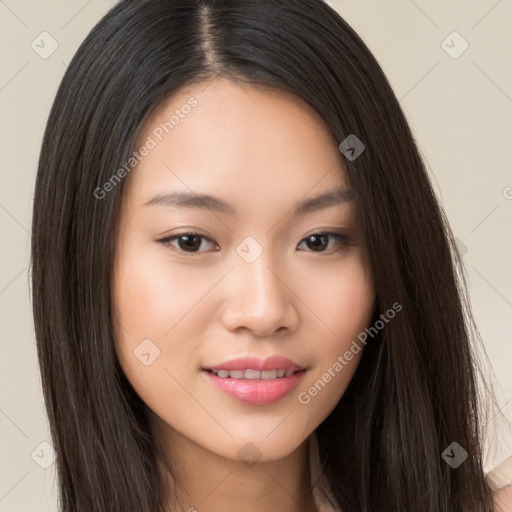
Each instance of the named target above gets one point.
<point>500,479</point>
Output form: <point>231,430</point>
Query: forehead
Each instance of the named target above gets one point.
<point>240,138</point>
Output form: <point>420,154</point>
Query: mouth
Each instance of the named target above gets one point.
<point>256,381</point>
<point>250,374</point>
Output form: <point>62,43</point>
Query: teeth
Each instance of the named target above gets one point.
<point>254,374</point>
<point>269,374</point>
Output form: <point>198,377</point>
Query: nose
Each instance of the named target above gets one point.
<point>260,299</point>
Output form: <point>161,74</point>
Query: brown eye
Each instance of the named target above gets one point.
<point>186,242</point>
<point>319,241</point>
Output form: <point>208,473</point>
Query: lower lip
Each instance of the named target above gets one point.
<point>258,391</point>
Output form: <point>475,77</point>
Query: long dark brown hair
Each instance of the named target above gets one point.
<point>416,388</point>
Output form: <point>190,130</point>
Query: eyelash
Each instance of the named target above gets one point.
<point>344,241</point>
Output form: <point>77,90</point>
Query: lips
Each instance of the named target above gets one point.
<point>256,381</point>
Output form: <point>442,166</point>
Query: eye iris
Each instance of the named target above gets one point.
<point>316,245</point>
<point>194,246</point>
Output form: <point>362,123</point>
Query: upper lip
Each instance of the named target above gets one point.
<point>257,363</point>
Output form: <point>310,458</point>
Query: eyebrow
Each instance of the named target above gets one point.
<point>208,202</point>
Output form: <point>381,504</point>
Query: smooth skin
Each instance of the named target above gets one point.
<point>261,151</point>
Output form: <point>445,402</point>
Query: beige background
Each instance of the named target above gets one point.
<point>460,110</point>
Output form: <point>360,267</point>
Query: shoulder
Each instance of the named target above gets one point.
<point>500,481</point>
<point>503,499</point>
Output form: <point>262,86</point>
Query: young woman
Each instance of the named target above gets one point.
<point>246,296</point>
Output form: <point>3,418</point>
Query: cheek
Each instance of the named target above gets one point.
<point>354,306</point>
<point>341,297</point>
<point>345,308</point>
<point>150,303</point>
<point>150,295</point>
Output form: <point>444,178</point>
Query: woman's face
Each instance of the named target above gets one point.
<point>252,283</point>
